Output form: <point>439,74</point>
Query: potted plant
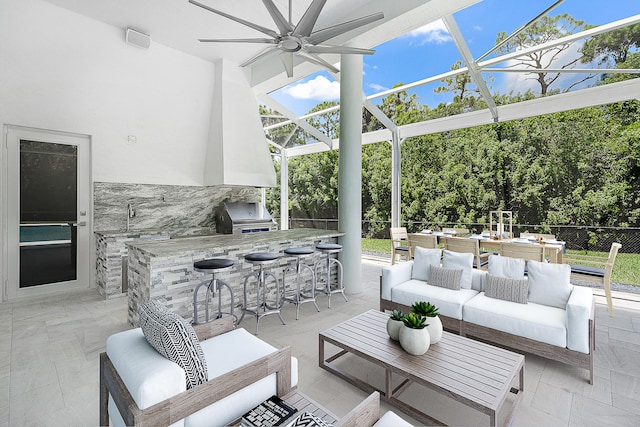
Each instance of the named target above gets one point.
<point>430,312</point>
<point>414,337</point>
<point>394,324</point>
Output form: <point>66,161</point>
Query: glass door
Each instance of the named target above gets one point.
<point>48,224</point>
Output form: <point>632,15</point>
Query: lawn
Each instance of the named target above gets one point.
<point>626,269</point>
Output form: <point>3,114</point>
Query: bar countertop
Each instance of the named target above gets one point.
<point>191,245</point>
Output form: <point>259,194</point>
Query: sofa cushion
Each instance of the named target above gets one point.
<point>423,259</point>
<point>391,419</point>
<point>506,267</point>
<point>149,376</point>
<point>445,277</point>
<point>449,302</point>
<point>460,260</point>
<point>174,338</point>
<point>549,283</point>
<point>535,321</point>
<point>225,353</point>
<point>507,289</point>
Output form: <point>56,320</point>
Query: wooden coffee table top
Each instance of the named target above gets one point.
<point>476,374</point>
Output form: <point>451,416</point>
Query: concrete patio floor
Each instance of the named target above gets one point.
<point>49,351</point>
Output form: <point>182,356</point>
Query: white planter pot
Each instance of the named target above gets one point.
<point>393,328</point>
<point>414,341</point>
<point>434,328</point>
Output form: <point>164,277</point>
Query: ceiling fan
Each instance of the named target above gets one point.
<point>300,39</point>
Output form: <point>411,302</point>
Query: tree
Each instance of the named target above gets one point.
<point>614,45</point>
<point>544,30</point>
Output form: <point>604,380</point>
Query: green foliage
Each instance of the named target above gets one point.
<point>397,315</point>
<point>424,308</point>
<point>414,321</point>
<point>614,45</point>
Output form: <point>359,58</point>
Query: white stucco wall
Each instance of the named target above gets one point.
<point>62,71</point>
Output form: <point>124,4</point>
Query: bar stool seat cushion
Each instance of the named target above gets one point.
<point>262,256</point>
<point>299,251</point>
<point>328,246</point>
<point>213,264</point>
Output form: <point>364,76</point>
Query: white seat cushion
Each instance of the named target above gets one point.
<point>449,302</point>
<point>225,353</point>
<point>151,378</point>
<point>537,322</point>
<point>391,419</point>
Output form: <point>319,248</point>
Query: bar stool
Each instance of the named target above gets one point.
<point>262,307</point>
<point>212,266</point>
<point>328,249</point>
<point>298,297</point>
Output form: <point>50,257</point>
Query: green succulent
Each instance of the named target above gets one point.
<point>397,315</point>
<point>424,308</point>
<point>414,321</point>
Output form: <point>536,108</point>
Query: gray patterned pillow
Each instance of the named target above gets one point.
<point>504,288</point>
<point>174,338</point>
<point>449,278</point>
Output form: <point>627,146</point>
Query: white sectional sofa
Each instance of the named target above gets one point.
<point>541,313</point>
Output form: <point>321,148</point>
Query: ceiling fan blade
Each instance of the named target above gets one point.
<point>308,20</point>
<point>330,32</point>
<point>269,41</point>
<point>318,61</point>
<point>257,27</point>
<point>287,61</point>
<point>262,55</point>
<point>338,49</point>
<point>281,22</point>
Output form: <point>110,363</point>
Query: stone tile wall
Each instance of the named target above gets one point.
<point>174,209</point>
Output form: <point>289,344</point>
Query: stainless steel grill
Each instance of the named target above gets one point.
<point>240,217</point>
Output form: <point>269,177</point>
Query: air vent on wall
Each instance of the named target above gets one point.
<point>138,39</point>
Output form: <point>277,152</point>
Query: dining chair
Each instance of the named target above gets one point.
<point>470,246</point>
<point>523,251</point>
<point>588,267</point>
<point>428,241</point>
<point>399,243</point>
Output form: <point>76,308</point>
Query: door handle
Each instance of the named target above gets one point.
<point>82,223</point>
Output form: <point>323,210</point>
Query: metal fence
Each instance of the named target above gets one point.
<point>576,237</point>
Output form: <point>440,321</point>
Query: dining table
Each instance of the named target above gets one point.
<point>553,249</point>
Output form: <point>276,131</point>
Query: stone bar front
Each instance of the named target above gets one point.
<point>163,270</point>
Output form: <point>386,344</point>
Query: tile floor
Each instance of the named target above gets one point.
<point>49,351</point>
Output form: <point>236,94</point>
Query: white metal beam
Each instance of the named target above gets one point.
<point>474,71</point>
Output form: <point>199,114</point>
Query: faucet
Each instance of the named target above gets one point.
<point>130,213</point>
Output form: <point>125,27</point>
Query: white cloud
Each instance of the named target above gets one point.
<point>319,88</point>
<point>377,87</point>
<point>477,27</point>
<point>435,32</point>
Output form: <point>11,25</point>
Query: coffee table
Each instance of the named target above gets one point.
<point>476,374</point>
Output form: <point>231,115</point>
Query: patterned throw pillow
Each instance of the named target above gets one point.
<point>307,419</point>
<point>174,338</point>
<point>449,278</point>
<point>505,288</point>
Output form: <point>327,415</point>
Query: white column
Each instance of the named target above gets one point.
<point>284,190</point>
<point>395,180</point>
<point>350,171</point>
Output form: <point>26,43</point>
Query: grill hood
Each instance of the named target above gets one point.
<point>238,217</point>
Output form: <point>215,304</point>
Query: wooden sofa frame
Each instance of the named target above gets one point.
<point>511,341</point>
<point>184,404</point>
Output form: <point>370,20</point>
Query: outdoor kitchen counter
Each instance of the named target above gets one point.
<point>163,270</point>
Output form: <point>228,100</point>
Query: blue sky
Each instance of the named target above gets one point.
<point>430,51</point>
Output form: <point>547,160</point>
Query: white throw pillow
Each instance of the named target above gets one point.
<point>504,266</point>
<point>549,283</point>
<point>462,261</point>
<point>424,258</point>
